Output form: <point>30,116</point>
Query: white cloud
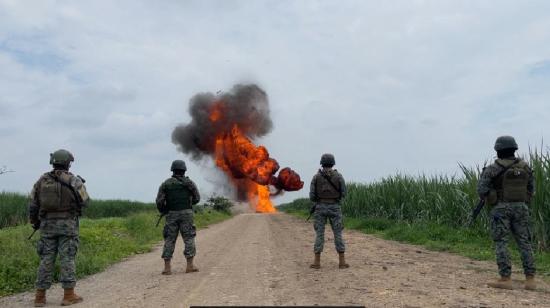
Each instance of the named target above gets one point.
<point>410,85</point>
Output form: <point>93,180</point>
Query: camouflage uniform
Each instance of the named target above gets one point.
<point>327,206</point>
<point>175,199</point>
<point>59,229</point>
<point>508,217</point>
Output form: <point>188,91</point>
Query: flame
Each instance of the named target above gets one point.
<point>260,196</point>
<point>249,166</point>
<point>216,112</point>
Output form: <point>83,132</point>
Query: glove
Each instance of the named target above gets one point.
<point>36,225</point>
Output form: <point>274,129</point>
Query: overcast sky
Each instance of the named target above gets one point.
<point>387,86</point>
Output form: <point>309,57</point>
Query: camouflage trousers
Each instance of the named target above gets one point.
<point>506,218</point>
<point>179,222</point>
<point>59,237</point>
<point>333,213</point>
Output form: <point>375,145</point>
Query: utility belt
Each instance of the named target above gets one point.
<point>328,201</point>
<point>59,215</point>
<point>180,211</point>
<point>497,196</point>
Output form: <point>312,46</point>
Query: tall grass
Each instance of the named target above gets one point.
<point>13,209</point>
<point>442,200</point>
<point>102,242</point>
<point>540,205</point>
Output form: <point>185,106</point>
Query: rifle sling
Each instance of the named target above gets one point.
<point>75,194</point>
<point>330,182</point>
<point>517,160</point>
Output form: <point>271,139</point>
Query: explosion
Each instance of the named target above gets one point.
<point>223,127</point>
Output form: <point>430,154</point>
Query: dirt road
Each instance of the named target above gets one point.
<point>256,259</point>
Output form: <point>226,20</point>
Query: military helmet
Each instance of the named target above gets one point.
<point>61,157</point>
<point>178,164</point>
<point>505,142</point>
<point>327,160</point>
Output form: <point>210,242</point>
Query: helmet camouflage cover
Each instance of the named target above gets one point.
<point>178,165</point>
<point>61,157</point>
<point>505,142</point>
<point>328,160</point>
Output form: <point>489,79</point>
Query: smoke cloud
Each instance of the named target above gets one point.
<point>244,105</point>
<point>222,127</point>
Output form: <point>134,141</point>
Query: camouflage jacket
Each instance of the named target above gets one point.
<point>162,192</point>
<point>488,176</point>
<point>320,188</point>
<point>71,200</point>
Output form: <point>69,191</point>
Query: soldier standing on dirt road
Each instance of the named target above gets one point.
<point>508,185</point>
<point>175,200</point>
<point>327,189</point>
<point>56,203</point>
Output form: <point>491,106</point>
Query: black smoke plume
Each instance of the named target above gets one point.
<point>244,105</point>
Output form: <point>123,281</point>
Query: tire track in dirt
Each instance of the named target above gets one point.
<point>255,259</point>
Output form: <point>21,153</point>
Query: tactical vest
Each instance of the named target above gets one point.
<point>178,195</point>
<point>324,190</point>
<point>511,186</point>
<point>56,200</point>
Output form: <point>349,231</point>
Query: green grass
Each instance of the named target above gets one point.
<point>13,209</point>
<point>446,200</point>
<point>102,243</point>
<point>474,243</point>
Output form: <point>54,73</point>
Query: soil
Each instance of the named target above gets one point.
<point>263,259</point>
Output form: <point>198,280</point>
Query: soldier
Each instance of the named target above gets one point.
<point>326,190</point>
<point>508,185</point>
<point>175,199</point>
<point>56,204</point>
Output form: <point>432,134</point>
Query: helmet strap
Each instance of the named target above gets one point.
<point>179,172</point>
<point>61,167</point>
<point>506,153</point>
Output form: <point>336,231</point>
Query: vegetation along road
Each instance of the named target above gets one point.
<point>263,259</point>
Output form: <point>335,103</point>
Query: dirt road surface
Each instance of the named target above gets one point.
<point>255,259</point>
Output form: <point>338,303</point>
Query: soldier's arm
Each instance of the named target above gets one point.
<point>312,192</point>
<point>343,188</point>
<point>531,183</point>
<point>484,184</point>
<point>195,196</point>
<point>161,198</point>
<point>34,205</point>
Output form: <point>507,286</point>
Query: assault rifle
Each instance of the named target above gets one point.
<point>160,218</point>
<point>311,211</point>
<point>33,232</point>
<point>476,211</point>
<point>35,227</point>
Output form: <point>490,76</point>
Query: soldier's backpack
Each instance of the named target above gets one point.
<point>514,182</point>
<point>326,188</point>
<point>62,193</point>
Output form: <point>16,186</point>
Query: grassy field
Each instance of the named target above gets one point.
<point>13,209</point>
<point>445,200</point>
<point>473,242</point>
<point>435,211</point>
<point>102,242</point>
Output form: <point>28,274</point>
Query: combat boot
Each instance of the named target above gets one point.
<point>69,297</point>
<point>502,283</point>
<point>167,267</point>
<point>190,267</point>
<point>40,298</point>
<point>316,261</point>
<point>530,283</point>
<point>342,261</point>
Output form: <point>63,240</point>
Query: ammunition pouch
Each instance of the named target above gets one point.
<point>492,197</point>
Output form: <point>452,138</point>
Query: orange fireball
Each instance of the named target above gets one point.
<point>239,158</point>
